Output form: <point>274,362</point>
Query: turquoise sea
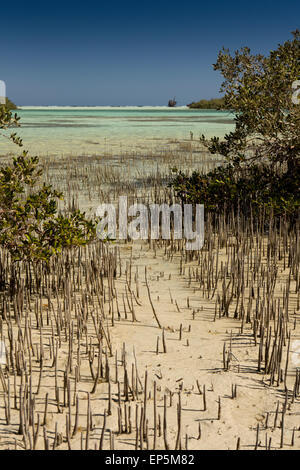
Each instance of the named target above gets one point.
<point>93,130</point>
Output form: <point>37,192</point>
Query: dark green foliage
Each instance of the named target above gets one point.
<point>30,225</point>
<point>10,104</point>
<point>263,170</point>
<point>259,91</point>
<point>7,121</point>
<point>247,189</point>
<point>214,103</point>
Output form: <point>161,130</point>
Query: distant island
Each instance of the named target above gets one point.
<point>10,104</point>
<point>214,103</point>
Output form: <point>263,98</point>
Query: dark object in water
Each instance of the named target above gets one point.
<point>172,103</point>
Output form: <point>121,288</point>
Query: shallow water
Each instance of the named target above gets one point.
<point>113,130</point>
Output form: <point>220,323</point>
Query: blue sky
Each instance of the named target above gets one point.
<point>130,53</point>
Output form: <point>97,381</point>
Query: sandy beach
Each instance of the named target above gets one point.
<point>113,367</point>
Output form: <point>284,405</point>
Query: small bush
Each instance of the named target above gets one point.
<point>236,188</point>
